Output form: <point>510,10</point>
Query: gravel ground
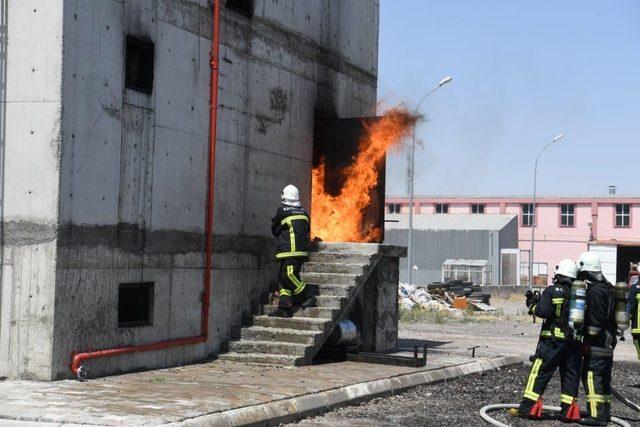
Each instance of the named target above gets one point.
<point>456,402</point>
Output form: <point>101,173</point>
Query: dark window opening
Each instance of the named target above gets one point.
<point>477,208</point>
<point>442,208</point>
<point>244,7</point>
<point>567,215</point>
<point>527,215</point>
<point>139,65</point>
<point>394,207</point>
<point>623,215</point>
<point>135,304</point>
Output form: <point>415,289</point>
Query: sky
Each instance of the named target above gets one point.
<point>523,72</point>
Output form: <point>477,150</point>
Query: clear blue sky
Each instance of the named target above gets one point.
<point>523,72</point>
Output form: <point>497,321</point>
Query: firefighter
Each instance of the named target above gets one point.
<point>291,227</point>
<point>557,347</point>
<point>599,339</point>
<point>634,311</point>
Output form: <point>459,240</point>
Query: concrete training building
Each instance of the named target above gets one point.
<point>565,227</point>
<point>103,145</point>
<point>436,238</point>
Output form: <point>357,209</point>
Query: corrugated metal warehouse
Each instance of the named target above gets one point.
<point>438,237</point>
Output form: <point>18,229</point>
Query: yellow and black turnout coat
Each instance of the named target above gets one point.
<point>291,227</point>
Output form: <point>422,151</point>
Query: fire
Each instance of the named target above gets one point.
<point>342,218</point>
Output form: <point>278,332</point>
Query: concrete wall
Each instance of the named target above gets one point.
<point>130,169</point>
<point>31,102</point>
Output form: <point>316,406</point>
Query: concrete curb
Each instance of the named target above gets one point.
<point>309,405</point>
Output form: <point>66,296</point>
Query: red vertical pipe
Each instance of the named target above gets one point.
<point>77,358</point>
<point>213,128</point>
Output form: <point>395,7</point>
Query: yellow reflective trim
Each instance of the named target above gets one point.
<point>636,343</point>
<point>292,237</point>
<point>593,406</point>
<point>528,391</point>
<point>596,398</point>
<point>546,333</point>
<point>635,331</point>
<point>291,254</point>
<point>293,218</point>
<point>557,300</point>
<point>558,333</point>
<point>297,283</point>
<point>286,292</point>
<point>565,398</point>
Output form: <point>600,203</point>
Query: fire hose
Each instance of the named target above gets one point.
<point>492,421</point>
<point>624,400</point>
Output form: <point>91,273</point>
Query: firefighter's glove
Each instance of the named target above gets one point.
<point>532,298</point>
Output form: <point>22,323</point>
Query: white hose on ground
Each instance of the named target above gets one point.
<point>487,418</point>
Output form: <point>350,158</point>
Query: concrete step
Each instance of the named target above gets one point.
<point>333,267</point>
<point>329,278</point>
<point>343,247</point>
<point>331,301</point>
<point>297,323</point>
<point>315,312</point>
<point>258,333</point>
<point>333,257</point>
<point>332,290</point>
<point>270,347</point>
<point>269,359</point>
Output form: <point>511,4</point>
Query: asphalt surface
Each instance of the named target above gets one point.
<point>456,402</point>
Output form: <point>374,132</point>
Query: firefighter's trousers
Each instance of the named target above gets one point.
<point>596,379</point>
<point>552,354</point>
<point>292,289</point>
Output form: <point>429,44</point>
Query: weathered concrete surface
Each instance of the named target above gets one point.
<point>102,184</point>
<point>223,393</point>
<point>30,143</point>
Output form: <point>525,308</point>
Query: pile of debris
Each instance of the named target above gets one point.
<point>454,295</point>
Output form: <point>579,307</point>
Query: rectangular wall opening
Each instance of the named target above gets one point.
<point>336,143</point>
<point>244,7</point>
<point>625,256</point>
<point>135,304</point>
<point>139,59</point>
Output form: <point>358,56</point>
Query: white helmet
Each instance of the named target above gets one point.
<point>568,268</point>
<point>290,195</point>
<point>589,261</point>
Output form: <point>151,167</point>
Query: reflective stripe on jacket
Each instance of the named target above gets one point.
<point>291,228</point>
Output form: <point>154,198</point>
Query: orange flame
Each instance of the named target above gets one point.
<point>342,218</point>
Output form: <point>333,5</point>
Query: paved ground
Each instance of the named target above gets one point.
<point>456,402</point>
<point>510,332</point>
<point>172,395</point>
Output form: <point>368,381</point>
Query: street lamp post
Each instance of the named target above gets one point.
<point>412,158</point>
<point>533,207</point>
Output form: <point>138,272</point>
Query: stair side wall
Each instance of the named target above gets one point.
<point>375,310</point>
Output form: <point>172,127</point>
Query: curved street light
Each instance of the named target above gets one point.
<point>411,160</point>
<point>533,206</point>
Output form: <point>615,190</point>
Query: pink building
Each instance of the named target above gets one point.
<point>564,227</point>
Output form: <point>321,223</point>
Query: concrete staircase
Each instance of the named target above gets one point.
<point>336,273</point>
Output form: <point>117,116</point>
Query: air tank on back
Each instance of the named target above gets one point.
<point>620,292</point>
<point>577,305</point>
